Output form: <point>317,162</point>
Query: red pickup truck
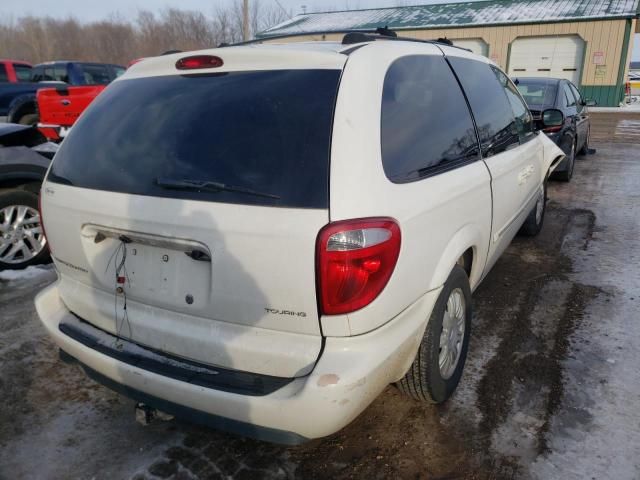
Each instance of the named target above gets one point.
<point>60,107</point>
<point>14,71</point>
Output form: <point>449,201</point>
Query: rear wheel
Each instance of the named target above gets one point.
<point>585,148</point>
<point>29,119</point>
<point>571,163</point>
<point>437,368</point>
<point>22,241</point>
<point>533,224</point>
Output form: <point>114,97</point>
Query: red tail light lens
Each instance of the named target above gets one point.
<point>355,259</point>
<point>199,61</point>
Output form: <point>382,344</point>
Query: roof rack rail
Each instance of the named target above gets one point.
<point>350,37</point>
<point>385,34</point>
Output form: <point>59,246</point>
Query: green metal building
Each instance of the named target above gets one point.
<point>586,41</point>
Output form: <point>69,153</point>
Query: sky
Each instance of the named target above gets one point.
<point>97,9</point>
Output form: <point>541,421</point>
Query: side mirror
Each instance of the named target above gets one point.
<point>589,103</point>
<point>552,118</point>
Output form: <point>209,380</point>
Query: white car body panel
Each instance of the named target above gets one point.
<point>455,201</point>
<point>253,264</point>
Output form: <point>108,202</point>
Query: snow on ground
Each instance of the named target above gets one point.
<point>25,274</point>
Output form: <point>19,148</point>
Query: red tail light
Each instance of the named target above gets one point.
<point>552,129</point>
<point>355,259</point>
<point>199,61</point>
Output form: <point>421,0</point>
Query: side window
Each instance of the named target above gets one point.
<point>4,77</point>
<point>37,74</point>
<point>576,94</point>
<point>60,73</point>
<point>524,120</point>
<point>48,74</point>
<point>95,74</point>
<point>568,95</point>
<point>425,125</point>
<point>491,109</point>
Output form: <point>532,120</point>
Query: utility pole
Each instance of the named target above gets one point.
<point>245,20</point>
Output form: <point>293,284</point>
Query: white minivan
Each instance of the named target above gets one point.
<point>263,237</point>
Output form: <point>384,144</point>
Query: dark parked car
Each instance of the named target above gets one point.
<point>25,155</point>
<point>573,135</point>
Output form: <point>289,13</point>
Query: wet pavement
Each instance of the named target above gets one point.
<point>551,388</point>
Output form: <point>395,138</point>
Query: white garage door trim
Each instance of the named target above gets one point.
<point>476,45</point>
<point>554,56</point>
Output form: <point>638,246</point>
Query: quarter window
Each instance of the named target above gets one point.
<point>4,77</point>
<point>494,117</point>
<point>426,127</point>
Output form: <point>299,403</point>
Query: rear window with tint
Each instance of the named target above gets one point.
<point>4,76</point>
<point>268,132</point>
<point>538,94</point>
<point>93,74</point>
<point>23,72</point>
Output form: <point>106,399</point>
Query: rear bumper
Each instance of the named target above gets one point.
<point>350,374</point>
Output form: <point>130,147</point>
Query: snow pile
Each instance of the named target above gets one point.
<point>27,273</point>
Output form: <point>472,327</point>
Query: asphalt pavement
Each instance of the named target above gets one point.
<point>551,388</point>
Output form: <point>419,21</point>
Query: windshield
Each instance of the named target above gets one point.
<point>537,93</point>
<point>265,131</point>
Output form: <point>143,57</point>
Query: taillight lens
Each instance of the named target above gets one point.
<point>355,259</point>
<point>199,61</point>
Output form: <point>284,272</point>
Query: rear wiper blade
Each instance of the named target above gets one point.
<point>208,186</point>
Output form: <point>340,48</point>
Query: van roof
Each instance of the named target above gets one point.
<point>267,56</point>
<point>300,55</point>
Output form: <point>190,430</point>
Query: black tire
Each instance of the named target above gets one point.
<point>533,224</point>
<point>571,164</point>
<point>29,119</point>
<point>424,380</point>
<point>19,198</point>
<point>585,148</point>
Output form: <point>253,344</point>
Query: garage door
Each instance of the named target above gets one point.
<point>476,45</point>
<point>557,57</point>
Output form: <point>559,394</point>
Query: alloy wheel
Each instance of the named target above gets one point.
<point>21,235</point>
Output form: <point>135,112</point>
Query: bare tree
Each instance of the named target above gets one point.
<point>120,40</point>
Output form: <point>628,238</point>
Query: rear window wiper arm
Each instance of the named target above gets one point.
<point>208,186</point>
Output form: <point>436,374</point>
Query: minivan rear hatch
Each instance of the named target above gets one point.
<point>182,212</point>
